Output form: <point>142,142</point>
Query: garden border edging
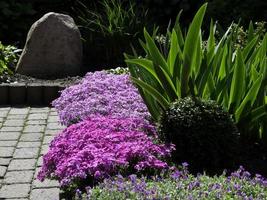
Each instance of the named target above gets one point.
<point>37,94</point>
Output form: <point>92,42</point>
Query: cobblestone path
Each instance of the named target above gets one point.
<point>25,134</point>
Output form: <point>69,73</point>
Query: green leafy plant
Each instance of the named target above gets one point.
<point>235,78</point>
<point>8,58</point>
<point>109,29</point>
<point>204,134</point>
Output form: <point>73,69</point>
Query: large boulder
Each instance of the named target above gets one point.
<point>53,48</point>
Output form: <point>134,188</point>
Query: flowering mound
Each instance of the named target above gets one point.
<point>100,93</point>
<point>180,185</point>
<point>102,146</point>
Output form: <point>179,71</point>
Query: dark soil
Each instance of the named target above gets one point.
<point>18,78</point>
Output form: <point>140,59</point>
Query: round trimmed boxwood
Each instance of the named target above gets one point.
<point>203,132</point>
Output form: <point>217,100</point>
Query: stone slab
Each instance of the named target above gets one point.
<point>22,164</point>
<point>15,191</point>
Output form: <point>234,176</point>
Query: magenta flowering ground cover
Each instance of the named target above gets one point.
<point>102,146</point>
<point>100,93</point>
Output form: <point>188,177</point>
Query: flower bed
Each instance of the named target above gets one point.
<point>100,93</point>
<point>181,185</point>
<point>100,147</point>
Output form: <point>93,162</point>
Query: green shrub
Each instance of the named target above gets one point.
<point>234,77</point>
<point>204,134</point>
<point>8,58</point>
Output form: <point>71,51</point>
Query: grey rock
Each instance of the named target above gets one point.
<point>53,48</point>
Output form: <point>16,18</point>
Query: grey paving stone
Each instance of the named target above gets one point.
<point>52,132</point>
<point>34,128</point>
<point>2,171</point>
<point>11,129</point>
<point>48,139</point>
<point>6,152</point>
<point>22,164</point>
<point>2,119</point>
<point>44,149</point>
<point>28,144</point>
<point>31,137</point>
<point>15,191</point>
<point>40,110</point>
<point>56,125</point>
<point>12,177</point>
<point>40,161</point>
<point>38,116</point>
<point>53,118</point>
<point>16,117</point>
<point>4,161</point>
<point>45,194</point>
<point>4,109</point>
<point>8,143</point>
<point>19,111</point>
<point>26,153</point>
<point>9,136</point>
<point>36,122</point>
<point>36,172</point>
<point>3,113</point>
<point>45,184</point>
<point>14,122</point>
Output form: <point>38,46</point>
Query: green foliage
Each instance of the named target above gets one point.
<point>236,78</point>
<point>8,58</point>
<point>118,17</point>
<point>203,133</point>
<point>201,187</point>
<point>119,70</point>
<point>109,29</point>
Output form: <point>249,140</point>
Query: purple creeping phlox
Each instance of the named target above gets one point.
<point>102,146</point>
<point>103,94</point>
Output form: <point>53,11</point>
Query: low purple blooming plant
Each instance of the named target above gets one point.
<point>180,185</point>
<point>102,146</point>
<point>100,93</point>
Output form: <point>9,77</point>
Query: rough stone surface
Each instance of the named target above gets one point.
<point>6,152</point>
<point>28,144</point>
<point>18,177</point>
<point>9,136</point>
<point>2,171</point>
<point>8,143</point>
<point>26,153</point>
<point>31,137</point>
<point>45,184</point>
<point>4,161</point>
<point>21,164</point>
<point>53,48</point>
<point>45,194</point>
<point>15,191</point>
